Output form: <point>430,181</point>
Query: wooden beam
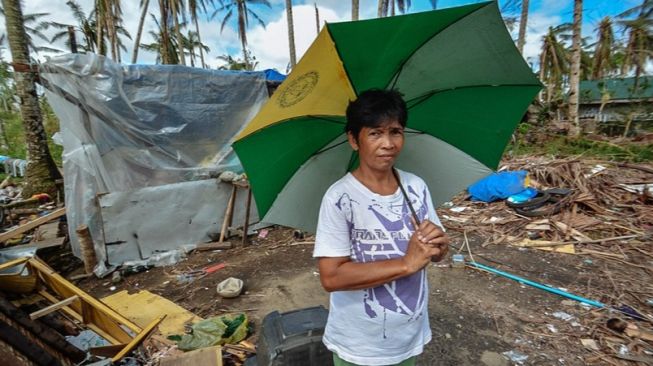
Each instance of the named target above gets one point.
<point>54,307</point>
<point>78,317</point>
<point>13,263</point>
<point>32,224</point>
<point>138,339</point>
<point>106,351</point>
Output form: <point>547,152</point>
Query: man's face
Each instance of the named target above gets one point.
<point>379,147</point>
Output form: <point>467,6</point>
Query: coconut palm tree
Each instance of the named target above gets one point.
<point>355,7</point>
<point>603,62</point>
<point>639,46</point>
<point>41,171</point>
<point>108,16</point>
<point>191,42</point>
<point>163,44</point>
<point>194,7</point>
<point>554,64</point>
<point>291,34</point>
<point>385,6</point>
<point>34,24</point>
<point>523,20</point>
<point>243,12</point>
<point>177,10</point>
<point>87,26</point>
<point>144,5</point>
<point>574,77</point>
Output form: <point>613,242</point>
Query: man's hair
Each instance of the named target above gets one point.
<point>374,107</point>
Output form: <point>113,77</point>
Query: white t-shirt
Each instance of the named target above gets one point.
<point>389,323</point>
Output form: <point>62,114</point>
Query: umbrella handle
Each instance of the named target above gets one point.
<point>410,206</point>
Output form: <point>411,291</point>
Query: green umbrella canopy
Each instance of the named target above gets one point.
<point>465,84</point>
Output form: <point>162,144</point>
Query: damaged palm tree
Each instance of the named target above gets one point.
<point>41,171</point>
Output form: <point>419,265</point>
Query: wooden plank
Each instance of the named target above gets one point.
<point>13,263</point>
<point>203,356</point>
<point>138,339</point>
<point>106,351</point>
<point>32,224</point>
<point>42,244</point>
<point>97,313</point>
<point>75,315</point>
<point>54,307</point>
<point>213,246</point>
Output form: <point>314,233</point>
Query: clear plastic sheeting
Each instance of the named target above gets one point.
<point>127,127</point>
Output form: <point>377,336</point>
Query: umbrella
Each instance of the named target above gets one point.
<point>464,81</point>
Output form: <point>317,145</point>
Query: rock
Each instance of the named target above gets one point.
<point>493,359</point>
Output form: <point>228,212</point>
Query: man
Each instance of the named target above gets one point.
<point>371,252</point>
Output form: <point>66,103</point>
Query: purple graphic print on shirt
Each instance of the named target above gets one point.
<point>405,295</point>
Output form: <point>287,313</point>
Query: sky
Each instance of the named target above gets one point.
<point>270,44</point>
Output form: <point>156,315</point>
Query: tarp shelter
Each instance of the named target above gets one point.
<point>143,145</point>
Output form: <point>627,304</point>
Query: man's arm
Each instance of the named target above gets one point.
<point>340,273</point>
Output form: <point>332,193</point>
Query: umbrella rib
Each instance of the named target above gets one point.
<point>403,63</point>
<point>422,98</point>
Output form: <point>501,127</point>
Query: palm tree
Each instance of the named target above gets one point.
<point>291,34</point>
<point>389,5</point>
<point>191,42</point>
<point>137,42</point>
<point>237,64</point>
<point>603,63</point>
<point>355,6</point>
<point>639,46</point>
<point>176,10</point>
<point>553,62</point>
<point>41,171</point>
<point>243,13</point>
<point>108,16</point>
<point>194,7</point>
<point>523,20</point>
<point>574,77</point>
<point>33,26</point>
<point>163,45</point>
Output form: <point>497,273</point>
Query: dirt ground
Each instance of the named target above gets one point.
<point>475,316</point>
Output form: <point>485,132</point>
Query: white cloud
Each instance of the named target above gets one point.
<point>270,45</point>
<point>538,26</point>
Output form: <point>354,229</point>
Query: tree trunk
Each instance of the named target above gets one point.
<point>165,39</point>
<point>41,171</point>
<point>523,21</point>
<point>291,34</point>
<point>317,19</point>
<point>111,29</point>
<point>574,78</point>
<point>72,40</point>
<point>180,39</point>
<point>139,32</point>
<point>99,31</point>
<point>354,9</point>
<point>199,40</point>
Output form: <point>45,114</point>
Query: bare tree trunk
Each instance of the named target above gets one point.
<point>354,9</point>
<point>199,39</point>
<point>317,18</point>
<point>111,28</point>
<point>165,38</point>
<point>180,39</point>
<point>72,40</point>
<point>523,21</point>
<point>291,34</point>
<point>574,78</point>
<point>139,32</point>
<point>99,31</point>
<point>41,171</point>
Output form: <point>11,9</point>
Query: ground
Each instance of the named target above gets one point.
<point>475,316</point>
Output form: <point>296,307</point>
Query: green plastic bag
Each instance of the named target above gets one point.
<point>214,331</point>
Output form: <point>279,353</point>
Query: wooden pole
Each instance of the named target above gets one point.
<point>227,214</point>
<point>247,209</point>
